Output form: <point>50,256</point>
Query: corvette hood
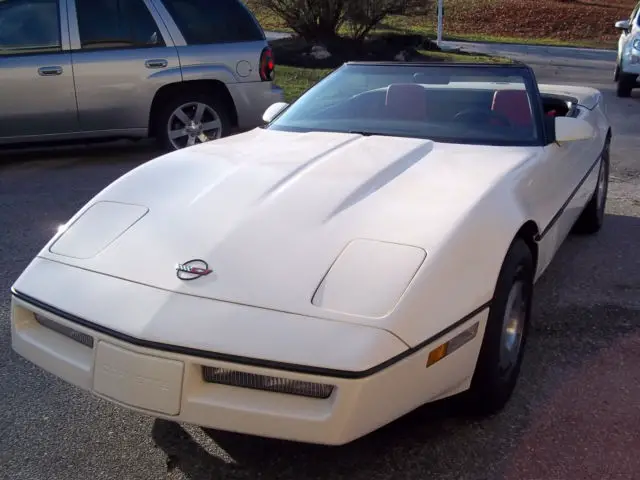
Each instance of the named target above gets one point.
<point>271,211</point>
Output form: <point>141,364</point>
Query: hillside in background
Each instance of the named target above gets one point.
<point>580,22</point>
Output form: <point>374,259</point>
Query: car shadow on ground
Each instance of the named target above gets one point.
<point>567,419</point>
<point>72,155</point>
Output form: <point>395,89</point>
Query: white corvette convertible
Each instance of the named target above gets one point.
<point>371,249</point>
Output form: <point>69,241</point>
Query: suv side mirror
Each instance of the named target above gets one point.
<point>623,25</point>
<point>273,111</point>
<point>572,129</point>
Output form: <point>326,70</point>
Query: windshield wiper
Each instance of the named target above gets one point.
<point>378,134</point>
<point>368,134</point>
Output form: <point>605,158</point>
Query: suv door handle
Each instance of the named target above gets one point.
<point>49,71</point>
<point>156,63</point>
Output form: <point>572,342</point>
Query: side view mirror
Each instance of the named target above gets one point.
<point>273,110</point>
<point>623,25</point>
<point>572,129</point>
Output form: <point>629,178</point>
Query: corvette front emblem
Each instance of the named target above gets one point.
<point>192,269</point>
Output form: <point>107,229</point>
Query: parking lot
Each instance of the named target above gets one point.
<point>576,410</point>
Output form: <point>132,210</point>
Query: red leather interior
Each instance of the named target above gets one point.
<point>513,104</point>
<point>406,101</point>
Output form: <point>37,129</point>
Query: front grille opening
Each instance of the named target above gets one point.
<point>266,383</point>
<point>83,338</point>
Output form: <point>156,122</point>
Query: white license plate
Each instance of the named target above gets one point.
<point>142,381</point>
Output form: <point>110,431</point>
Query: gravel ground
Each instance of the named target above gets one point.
<point>575,414</point>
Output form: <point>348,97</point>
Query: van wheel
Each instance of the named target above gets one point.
<point>190,118</point>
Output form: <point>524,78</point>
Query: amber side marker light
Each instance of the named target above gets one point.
<point>452,345</point>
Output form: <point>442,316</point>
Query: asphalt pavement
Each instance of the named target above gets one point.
<point>574,416</point>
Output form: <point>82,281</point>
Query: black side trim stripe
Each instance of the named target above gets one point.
<point>289,367</point>
<point>557,216</point>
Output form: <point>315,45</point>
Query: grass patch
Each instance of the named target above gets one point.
<point>488,38</point>
<point>295,80</point>
<point>584,23</point>
<point>461,57</point>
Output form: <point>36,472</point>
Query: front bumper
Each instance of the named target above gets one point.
<point>168,381</point>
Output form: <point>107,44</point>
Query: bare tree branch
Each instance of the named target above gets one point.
<point>322,19</point>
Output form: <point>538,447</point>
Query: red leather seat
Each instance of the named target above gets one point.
<point>406,101</point>
<point>513,104</point>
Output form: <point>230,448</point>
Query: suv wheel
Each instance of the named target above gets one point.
<point>626,83</point>
<point>189,118</point>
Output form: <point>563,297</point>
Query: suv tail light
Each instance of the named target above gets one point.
<point>267,67</point>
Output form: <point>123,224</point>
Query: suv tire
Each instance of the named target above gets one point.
<point>199,116</point>
<point>626,83</point>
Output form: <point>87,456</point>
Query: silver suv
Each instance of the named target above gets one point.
<point>181,71</point>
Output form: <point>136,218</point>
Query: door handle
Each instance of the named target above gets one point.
<point>49,71</point>
<point>156,63</point>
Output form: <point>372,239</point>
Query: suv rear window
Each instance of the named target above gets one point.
<point>214,21</point>
<point>116,23</point>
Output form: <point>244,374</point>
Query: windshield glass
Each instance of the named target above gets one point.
<point>460,104</point>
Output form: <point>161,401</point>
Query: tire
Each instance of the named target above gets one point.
<point>491,386</point>
<point>215,110</point>
<point>626,83</point>
<point>592,217</point>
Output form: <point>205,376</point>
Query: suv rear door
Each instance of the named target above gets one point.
<point>122,54</point>
<point>219,38</point>
<point>37,93</point>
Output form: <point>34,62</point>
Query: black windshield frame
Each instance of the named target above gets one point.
<point>544,135</point>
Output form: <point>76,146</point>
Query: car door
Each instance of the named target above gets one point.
<point>553,180</point>
<point>37,95</point>
<point>579,157</point>
<point>563,187</point>
<point>122,54</point>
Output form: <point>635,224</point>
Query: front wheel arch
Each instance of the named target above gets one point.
<point>166,92</point>
<point>490,390</point>
<point>529,232</point>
